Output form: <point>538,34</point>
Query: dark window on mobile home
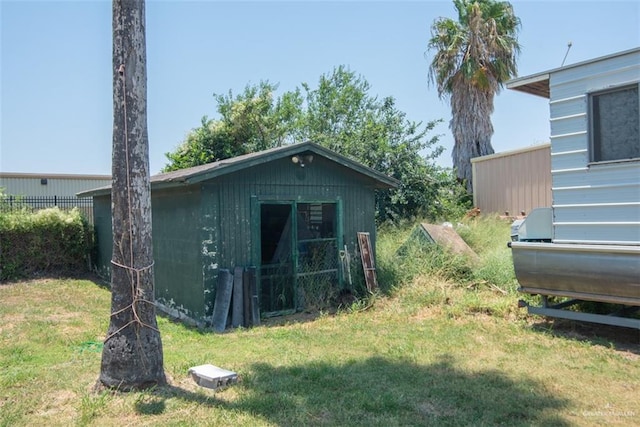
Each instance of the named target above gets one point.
<point>615,124</point>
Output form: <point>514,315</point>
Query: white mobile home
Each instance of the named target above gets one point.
<point>592,247</point>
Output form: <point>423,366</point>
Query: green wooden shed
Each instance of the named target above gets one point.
<point>291,212</point>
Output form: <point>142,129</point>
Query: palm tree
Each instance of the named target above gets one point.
<point>474,56</point>
<point>132,352</point>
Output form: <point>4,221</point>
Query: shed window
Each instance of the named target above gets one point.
<point>615,119</point>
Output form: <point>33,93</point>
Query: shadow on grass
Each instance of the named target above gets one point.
<point>616,337</point>
<point>153,401</point>
<point>385,392</point>
<point>306,316</point>
<point>153,405</point>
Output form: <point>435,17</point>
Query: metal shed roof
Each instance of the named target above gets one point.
<point>212,170</point>
<point>538,84</point>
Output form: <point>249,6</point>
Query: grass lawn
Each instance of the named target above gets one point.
<point>431,352</point>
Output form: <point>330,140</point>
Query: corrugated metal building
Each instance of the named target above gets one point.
<point>41,191</point>
<point>37,185</point>
<point>595,148</point>
<point>289,212</point>
<point>513,181</point>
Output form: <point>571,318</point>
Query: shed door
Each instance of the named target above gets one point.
<point>299,255</point>
<point>276,258</point>
<point>317,277</point>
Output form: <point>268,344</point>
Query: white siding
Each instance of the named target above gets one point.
<point>57,185</point>
<point>592,203</point>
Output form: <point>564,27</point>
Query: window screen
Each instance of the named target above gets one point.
<point>615,119</point>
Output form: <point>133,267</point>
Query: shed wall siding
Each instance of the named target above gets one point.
<point>202,227</point>
<point>178,280</point>
<point>177,250</point>
<point>593,203</point>
<point>104,236</point>
<point>320,181</point>
<point>209,238</point>
<point>513,182</point>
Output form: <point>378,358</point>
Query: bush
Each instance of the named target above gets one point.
<point>48,241</point>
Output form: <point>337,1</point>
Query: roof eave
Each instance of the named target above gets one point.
<point>224,167</point>
<point>101,191</point>
<point>537,84</point>
<point>382,181</point>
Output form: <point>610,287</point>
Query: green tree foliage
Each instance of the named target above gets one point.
<point>474,56</point>
<point>341,115</point>
<point>257,121</point>
<point>208,143</point>
<point>251,121</point>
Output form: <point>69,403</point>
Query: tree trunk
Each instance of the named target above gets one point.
<point>132,353</point>
<point>471,109</point>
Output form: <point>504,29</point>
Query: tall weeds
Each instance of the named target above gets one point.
<point>426,274</point>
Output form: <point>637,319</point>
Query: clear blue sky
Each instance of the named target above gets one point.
<point>56,109</point>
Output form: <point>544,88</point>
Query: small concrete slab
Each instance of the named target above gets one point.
<point>213,377</point>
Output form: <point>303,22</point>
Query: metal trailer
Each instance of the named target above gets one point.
<point>574,273</point>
